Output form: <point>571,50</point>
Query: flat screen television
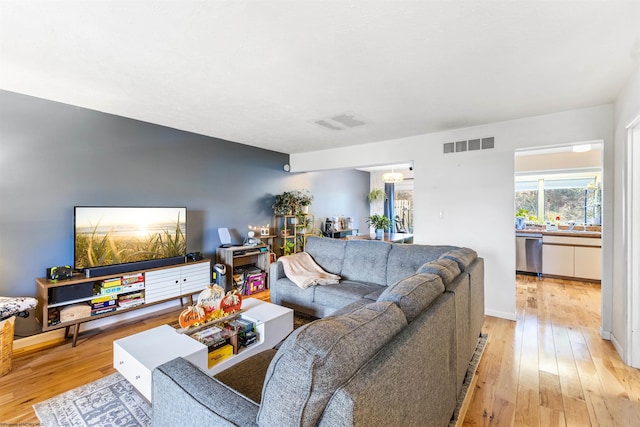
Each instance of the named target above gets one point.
<point>117,236</point>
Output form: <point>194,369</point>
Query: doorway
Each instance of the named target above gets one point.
<point>558,199</point>
<point>396,180</point>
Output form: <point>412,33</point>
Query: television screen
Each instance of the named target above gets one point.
<point>119,235</point>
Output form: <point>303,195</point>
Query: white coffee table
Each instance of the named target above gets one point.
<point>136,356</point>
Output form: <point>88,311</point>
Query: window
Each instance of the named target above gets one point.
<point>403,206</point>
<point>572,197</point>
<point>527,197</point>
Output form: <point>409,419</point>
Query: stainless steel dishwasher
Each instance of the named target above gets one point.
<point>529,253</point>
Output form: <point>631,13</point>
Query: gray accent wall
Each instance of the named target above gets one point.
<point>55,156</point>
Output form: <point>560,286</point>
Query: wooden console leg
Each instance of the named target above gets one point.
<point>76,329</point>
<point>66,331</point>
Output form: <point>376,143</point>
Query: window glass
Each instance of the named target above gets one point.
<point>403,207</point>
<point>571,198</point>
<point>527,198</point>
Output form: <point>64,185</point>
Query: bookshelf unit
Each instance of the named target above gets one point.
<point>239,256</point>
<point>76,294</point>
<point>292,229</point>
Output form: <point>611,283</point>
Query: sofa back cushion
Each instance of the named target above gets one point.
<point>366,261</point>
<point>462,256</point>
<point>414,294</point>
<point>447,269</point>
<point>404,260</point>
<point>327,253</point>
<point>316,359</point>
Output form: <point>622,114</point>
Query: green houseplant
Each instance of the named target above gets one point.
<point>304,199</point>
<point>292,202</point>
<point>285,203</point>
<point>377,195</point>
<point>379,223</point>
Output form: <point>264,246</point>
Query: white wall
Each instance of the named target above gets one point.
<point>626,109</point>
<point>467,198</point>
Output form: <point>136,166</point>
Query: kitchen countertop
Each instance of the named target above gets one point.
<point>577,233</point>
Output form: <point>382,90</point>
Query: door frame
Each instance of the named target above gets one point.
<point>632,242</point>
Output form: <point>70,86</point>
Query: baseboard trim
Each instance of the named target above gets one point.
<point>500,314</point>
<point>619,348</point>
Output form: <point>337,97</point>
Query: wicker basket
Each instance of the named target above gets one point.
<point>6,345</point>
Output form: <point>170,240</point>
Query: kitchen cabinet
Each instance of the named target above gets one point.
<point>558,260</point>
<point>588,262</point>
<point>574,257</point>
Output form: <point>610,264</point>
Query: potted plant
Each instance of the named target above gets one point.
<point>303,200</point>
<point>377,195</point>
<point>379,223</point>
<point>521,215</point>
<point>289,247</point>
<point>285,203</point>
<point>303,222</point>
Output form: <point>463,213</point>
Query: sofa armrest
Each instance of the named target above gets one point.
<point>276,271</point>
<point>184,395</point>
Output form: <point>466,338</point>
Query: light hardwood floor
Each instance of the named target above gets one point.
<point>548,368</point>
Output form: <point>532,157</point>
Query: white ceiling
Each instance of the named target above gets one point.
<point>262,72</point>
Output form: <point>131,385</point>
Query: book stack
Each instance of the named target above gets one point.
<point>131,299</point>
<point>117,293</point>
<point>221,341</point>
<point>245,330</point>
<point>103,304</point>
<point>245,276</point>
<point>108,286</point>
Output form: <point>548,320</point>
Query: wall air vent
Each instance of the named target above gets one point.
<point>469,145</point>
<point>340,122</point>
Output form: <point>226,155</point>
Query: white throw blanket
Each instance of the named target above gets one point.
<point>302,270</point>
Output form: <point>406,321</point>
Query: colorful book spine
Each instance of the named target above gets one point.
<point>137,278</point>
<point>108,291</point>
<point>100,311</point>
<point>108,283</point>
<point>103,299</point>
<point>104,304</point>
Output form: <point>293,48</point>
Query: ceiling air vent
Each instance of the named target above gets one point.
<point>469,145</point>
<point>340,122</point>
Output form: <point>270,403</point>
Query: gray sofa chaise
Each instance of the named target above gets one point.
<point>392,346</point>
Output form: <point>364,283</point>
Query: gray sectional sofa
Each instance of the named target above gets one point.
<point>391,348</point>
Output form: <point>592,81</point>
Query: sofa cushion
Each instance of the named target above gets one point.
<point>327,253</point>
<point>343,293</point>
<point>404,260</point>
<point>366,261</point>
<point>447,269</point>
<point>462,256</point>
<point>318,358</point>
<point>414,293</point>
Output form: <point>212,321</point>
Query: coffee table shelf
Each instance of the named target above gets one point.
<point>136,356</point>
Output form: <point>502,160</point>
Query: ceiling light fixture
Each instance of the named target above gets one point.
<point>581,148</point>
<point>394,177</point>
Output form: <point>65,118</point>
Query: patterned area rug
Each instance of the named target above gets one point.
<point>109,401</point>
